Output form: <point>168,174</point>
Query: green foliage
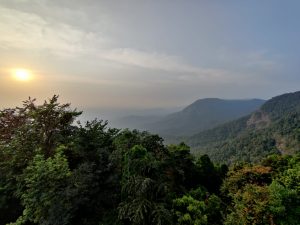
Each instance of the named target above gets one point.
<point>180,168</point>
<point>291,177</point>
<point>190,211</point>
<point>143,192</point>
<point>25,132</point>
<point>240,176</point>
<point>280,105</point>
<point>217,173</point>
<point>260,195</point>
<point>284,204</point>
<point>272,204</point>
<point>45,198</point>
<point>55,172</point>
<point>198,207</point>
<point>273,129</point>
<point>143,202</point>
<point>250,206</point>
<point>37,131</point>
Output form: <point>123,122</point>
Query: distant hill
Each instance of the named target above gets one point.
<point>201,115</point>
<point>274,128</point>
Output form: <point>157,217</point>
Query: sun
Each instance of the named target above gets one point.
<point>22,74</point>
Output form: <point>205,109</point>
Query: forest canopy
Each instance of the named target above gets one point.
<point>56,171</point>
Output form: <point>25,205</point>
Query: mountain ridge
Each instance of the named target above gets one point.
<point>202,114</point>
<point>274,128</point>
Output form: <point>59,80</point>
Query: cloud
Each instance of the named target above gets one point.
<point>29,31</point>
<point>149,60</point>
<point>153,60</point>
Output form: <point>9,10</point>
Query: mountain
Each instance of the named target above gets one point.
<point>273,128</point>
<point>201,115</point>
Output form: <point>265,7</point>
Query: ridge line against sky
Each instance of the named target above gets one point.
<point>148,53</point>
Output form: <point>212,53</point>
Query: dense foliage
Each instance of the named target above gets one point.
<point>274,129</point>
<point>56,172</point>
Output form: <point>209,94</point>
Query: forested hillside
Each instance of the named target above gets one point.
<point>56,172</point>
<point>201,115</point>
<point>274,128</point>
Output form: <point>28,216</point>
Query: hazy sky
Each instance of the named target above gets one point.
<point>145,54</point>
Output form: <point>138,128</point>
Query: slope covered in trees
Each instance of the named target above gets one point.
<point>53,171</point>
<point>201,115</point>
<point>274,128</point>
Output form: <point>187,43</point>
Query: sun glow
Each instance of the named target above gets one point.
<point>22,74</point>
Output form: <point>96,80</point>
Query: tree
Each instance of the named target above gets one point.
<point>180,169</point>
<point>284,204</point>
<point>33,129</point>
<point>143,194</point>
<point>250,206</point>
<point>263,195</point>
<point>190,211</point>
<point>35,133</point>
<point>45,198</point>
<point>198,207</point>
<point>25,132</point>
<point>210,176</point>
<point>242,175</point>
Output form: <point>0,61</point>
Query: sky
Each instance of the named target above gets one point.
<point>120,55</point>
